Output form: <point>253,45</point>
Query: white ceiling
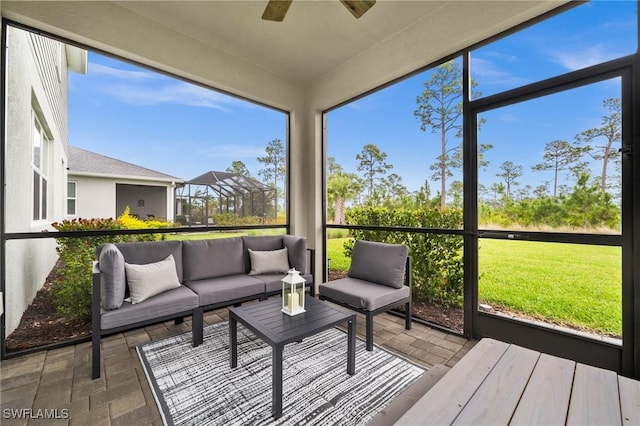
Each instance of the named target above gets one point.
<point>317,37</point>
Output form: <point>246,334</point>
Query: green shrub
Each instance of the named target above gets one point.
<point>73,286</point>
<point>436,259</point>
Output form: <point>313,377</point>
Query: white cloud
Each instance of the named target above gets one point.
<point>140,87</point>
<point>178,93</point>
<point>582,57</point>
<point>487,72</point>
<point>100,70</point>
<point>233,151</point>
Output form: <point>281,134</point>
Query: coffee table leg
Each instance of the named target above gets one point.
<point>233,341</point>
<point>351,347</point>
<point>276,387</point>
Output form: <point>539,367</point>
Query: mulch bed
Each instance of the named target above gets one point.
<point>41,325</point>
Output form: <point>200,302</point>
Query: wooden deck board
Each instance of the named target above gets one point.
<point>455,389</point>
<point>549,387</point>
<point>500,384</point>
<point>629,400</point>
<point>595,398</point>
<point>497,397</point>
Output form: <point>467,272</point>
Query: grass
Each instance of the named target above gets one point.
<point>575,285</point>
<point>570,284</point>
<point>212,235</point>
<point>335,252</point>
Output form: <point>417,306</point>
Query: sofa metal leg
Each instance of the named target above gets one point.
<point>197,326</point>
<point>369,331</point>
<point>95,356</point>
<point>407,315</point>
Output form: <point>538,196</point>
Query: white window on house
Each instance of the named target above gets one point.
<point>39,163</point>
<point>71,198</point>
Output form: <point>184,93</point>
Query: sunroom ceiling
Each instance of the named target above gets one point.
<point>317,37</point>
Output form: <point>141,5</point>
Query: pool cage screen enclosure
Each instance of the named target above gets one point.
<point>212,194</point>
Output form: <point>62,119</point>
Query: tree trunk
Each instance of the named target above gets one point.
<point>338,215</point>
<point>443,166</point>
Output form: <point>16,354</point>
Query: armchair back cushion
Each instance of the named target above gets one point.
<point>380,263</point>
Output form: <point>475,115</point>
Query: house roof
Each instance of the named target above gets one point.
<point>83,162</point>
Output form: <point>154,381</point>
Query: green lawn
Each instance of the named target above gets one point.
<point>571,284</point>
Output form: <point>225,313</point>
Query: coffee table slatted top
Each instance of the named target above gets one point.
<point>267,319</point>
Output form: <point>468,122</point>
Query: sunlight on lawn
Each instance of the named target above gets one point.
<point>569,284</point>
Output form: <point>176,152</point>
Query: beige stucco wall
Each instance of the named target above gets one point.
<point>29,262</point>
<point>96,197</point>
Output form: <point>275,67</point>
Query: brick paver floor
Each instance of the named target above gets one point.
<point>59,380</point>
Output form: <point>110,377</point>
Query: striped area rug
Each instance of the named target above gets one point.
<point>196,386</point>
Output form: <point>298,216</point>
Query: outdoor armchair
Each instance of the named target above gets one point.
<point>378,280</point>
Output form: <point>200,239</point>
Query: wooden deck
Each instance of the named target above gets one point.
<point>501,384</point>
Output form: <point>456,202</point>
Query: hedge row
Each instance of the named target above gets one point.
<point>436,259</point>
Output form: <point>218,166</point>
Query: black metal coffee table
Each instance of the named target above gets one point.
<point>267,321</point>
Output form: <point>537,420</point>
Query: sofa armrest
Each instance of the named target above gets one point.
<point>407,273</point>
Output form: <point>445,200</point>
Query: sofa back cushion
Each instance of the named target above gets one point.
<point>212,258</point>
<point>297,247</point>
<point>259,243</point>
<point>141,253</point>
<point>379,263</point>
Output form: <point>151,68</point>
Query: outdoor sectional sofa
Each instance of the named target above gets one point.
<point>142,283</point>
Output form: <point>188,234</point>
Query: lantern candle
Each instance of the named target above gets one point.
<point>293,293</point>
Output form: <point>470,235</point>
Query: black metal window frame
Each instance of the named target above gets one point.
<point>5,236</point>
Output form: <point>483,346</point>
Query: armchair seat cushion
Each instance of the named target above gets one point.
<point>363,294</point>
<point>170,302</point>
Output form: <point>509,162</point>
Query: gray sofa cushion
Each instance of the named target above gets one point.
<point>363,294</point>
<point>170,302</point>
<point>212,258</point>
<point>224,289</point>
<point>112,277</point>
<point>153,251</point>
<point>379,263</point>
<point>297,247</point>
<point>259,243</point>
<point>273,282</point>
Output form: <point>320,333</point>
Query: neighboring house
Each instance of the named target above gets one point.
<point>102,187</point>
<point>36,159</point>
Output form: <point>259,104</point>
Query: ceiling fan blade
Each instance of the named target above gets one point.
<point>358,7</point>
<point>276,10</point>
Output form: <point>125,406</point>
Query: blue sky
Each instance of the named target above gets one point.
<point>184,130</point>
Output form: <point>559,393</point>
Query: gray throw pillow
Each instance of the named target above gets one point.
<point>269,262</point>
<point>112,277</point>
<point>379,263</point>
<point>150,279</point>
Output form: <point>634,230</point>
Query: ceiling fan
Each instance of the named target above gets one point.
<point>277,9</point>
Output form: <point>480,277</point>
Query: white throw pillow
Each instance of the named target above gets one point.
<point>269,262</point>
<point>150,279</point>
